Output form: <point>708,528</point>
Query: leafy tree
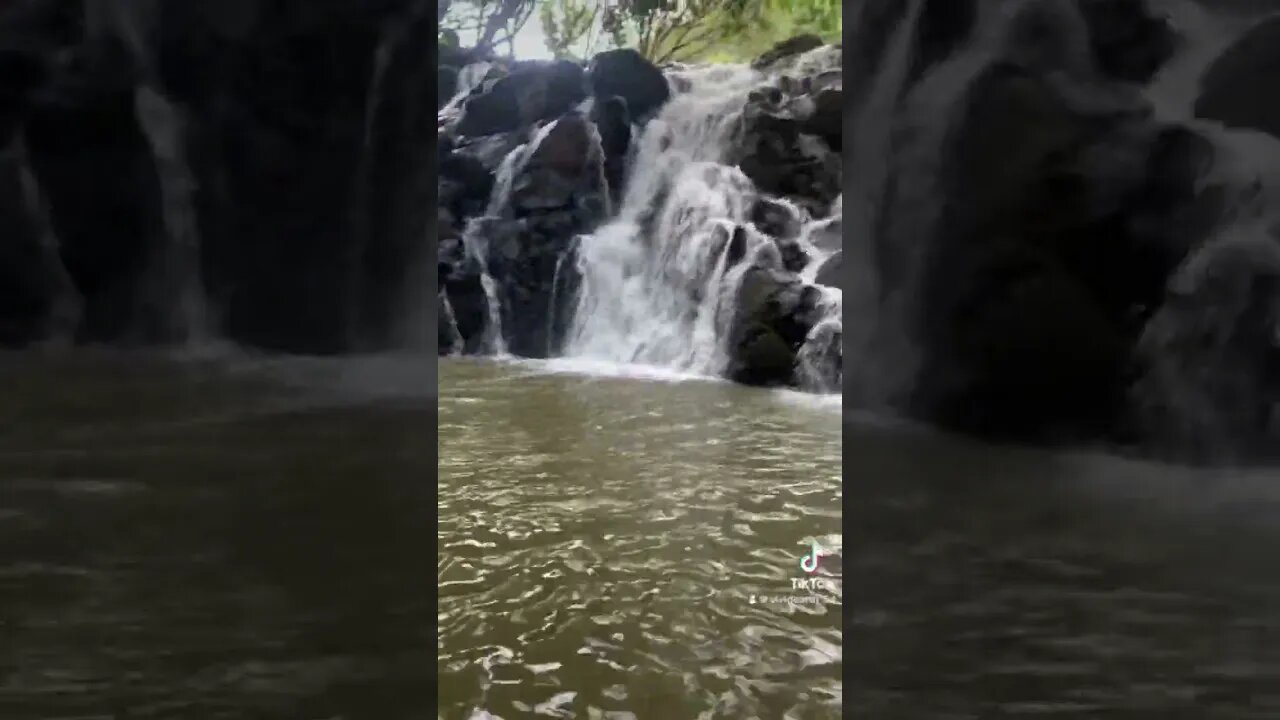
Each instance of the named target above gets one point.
<point>490,22</point>
<point>661,30</point>
<point>571,24</point>
<point>777,20</point>
<point>676,30</point>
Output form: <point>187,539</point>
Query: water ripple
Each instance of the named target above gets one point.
<point>605,544</point>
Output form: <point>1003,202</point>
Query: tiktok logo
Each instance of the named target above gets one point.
<point>809,563</point>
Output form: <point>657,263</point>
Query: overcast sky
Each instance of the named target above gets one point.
<point>529,45</point>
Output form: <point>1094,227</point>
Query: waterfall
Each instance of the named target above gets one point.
<point>178,274</point>
<point>1207,347</point>
<point>469,78</point>
<point>659,281</point>
<point>67,304</point>
<point>1043,239</point>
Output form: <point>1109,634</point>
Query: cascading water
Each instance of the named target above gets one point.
<point>1208,346</point>
<point>972,276</point>
<point>179,259</point>
<point>659,281</point>
<point>68,305</point>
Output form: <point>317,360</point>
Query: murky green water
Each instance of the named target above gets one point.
<point>601,541</point>
<point>1006,583</point>
<point>226,540</point>
<point>250,538</point>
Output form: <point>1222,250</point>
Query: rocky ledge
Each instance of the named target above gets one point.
<point>577,127</point>
<point>1056,261</point>
<point>257,169</point>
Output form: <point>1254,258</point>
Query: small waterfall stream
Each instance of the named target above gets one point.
<point>936,236</point>
<point>67,305</point>
<point>1203,384</point>
<point>659,281</point>
<point>177,274</point>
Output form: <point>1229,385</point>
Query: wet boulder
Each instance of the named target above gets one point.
<point>1210,389</point>
<point>831,272</point>
<point>613,122</point>
<point>785,50</point>
<point>468,180</point>
<point>625,73</point>
<point>828,235</point>
<point>33,285</point>
<point>22,72</point>
<point>558,192</point>
<point>563,171</point>
<point>1129,43</point>
<point>776,218</point>
<point>448,340</point>
<point>467,171</point>
<point>100,180</point>
<point>781,159</point>
<point>943,28</point>
<point>462,287</point>
<point>792,254</point>
<point>774,313</point>
<point>827,119</point>
<point>1239,89</point>
<point>446,85</point>
<point>530,92</point>
<point>1050,244</point>
<point>1047,36</point>
<point>1029,355</point>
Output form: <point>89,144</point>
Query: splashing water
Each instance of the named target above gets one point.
<point>1208,346</point>
<point>659,282</point>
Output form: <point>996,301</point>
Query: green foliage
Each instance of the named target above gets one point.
<point>569,25</point>
<point>661,30</point>
<point>677,30</point>
<point>486,23</point>
<point>778,20</point>
<point>823,18</point>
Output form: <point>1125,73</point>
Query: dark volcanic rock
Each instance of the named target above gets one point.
<point>467,172</point>
<point>1129,43</point>
<point>37,300</point>
<point>787,49</point>
<point>944,26</point>
<point>531,92</point>
<point>626,74</point>
<point>1211,356</point>
<point>448,340</point>
<point>103,192</point>
<point>613,122</point>
<point>792,255</point>
<point>776,219</point>
<point>773,316</point>
<point>1240,88</point>
<point>781,159</point>
<point>559,192</point>
<point>871,29</point>
<point>828,236</point>
<point>459,278</point>
<point>1046,262</point>
<point>446,85</point>
<point>827,120</point>
<point>831,272</point>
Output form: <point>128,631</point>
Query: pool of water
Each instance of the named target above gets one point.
<point>620,542</point>
<point>214,539</point>
<point>232,537</point>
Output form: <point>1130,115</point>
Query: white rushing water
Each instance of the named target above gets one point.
<point>657,286</point>
<point>1200,384</point>
<point>178,278</point>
